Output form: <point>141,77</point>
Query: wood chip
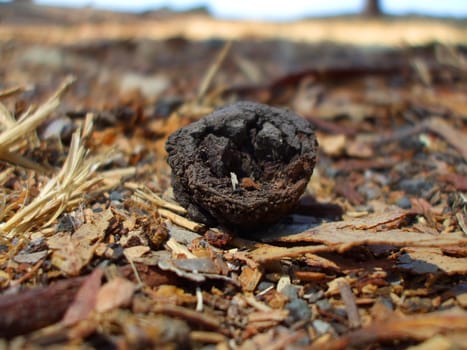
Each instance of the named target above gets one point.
<point>249,278</point>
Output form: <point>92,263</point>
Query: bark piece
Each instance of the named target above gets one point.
<point>417,327</point>
<point>36,308</point>
<point>242,143</point>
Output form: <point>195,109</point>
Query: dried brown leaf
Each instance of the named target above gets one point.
<point>456,138</point>
<point>359,149</point>
<point>332,145</point>
<point>85,299</point>
<point>71,252</point>
<point>202,265</point>
<point>118,292</point>
<point>135,252</point>
<point>30,258</point>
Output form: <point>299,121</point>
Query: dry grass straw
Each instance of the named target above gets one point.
<point>14,133</point>
<point>212,71</point>
<point>167,209</point>
<point>203,103</point>
<point>11,91</point>
<point>63,191</point>
<point>147,195</point>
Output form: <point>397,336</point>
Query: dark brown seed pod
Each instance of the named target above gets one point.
<point>243,166</point>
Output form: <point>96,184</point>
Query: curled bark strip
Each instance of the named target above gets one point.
<point>242,166</point>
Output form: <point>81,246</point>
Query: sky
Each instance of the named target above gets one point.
<point>279,9</point>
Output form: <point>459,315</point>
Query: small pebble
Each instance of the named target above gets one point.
<point>166,105</point>
<point>298,310</point>
<point>324,305</point>
<point>263,285</point>
<point>415,186</point>
<point>387,302</point>
<point>404,203</point>
<point>313,297</point>
<point>67,223</point>
<point>116,196</point>
<point>370,191</point>
<point>321,326</point>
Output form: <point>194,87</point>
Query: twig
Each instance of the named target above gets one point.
<point>251,300</point>
<point>150,196</point>
<point>207,337</point>
<point>181,221</point>
<point>179,249</point>
<point>135,271</point>
<point>199,300</point>
<point>350,305</point>
<point>191,316</point>
<point>28,274</point>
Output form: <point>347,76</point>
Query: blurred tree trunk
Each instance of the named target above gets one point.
<point>372,8</point>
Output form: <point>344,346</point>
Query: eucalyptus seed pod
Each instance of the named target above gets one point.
<point>243,166</point>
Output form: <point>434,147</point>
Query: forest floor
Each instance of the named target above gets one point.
<point>96,253</point>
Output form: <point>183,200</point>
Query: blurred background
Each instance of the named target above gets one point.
<point>279,10</point>
<point>163,48</point>
<point>359,22</point>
